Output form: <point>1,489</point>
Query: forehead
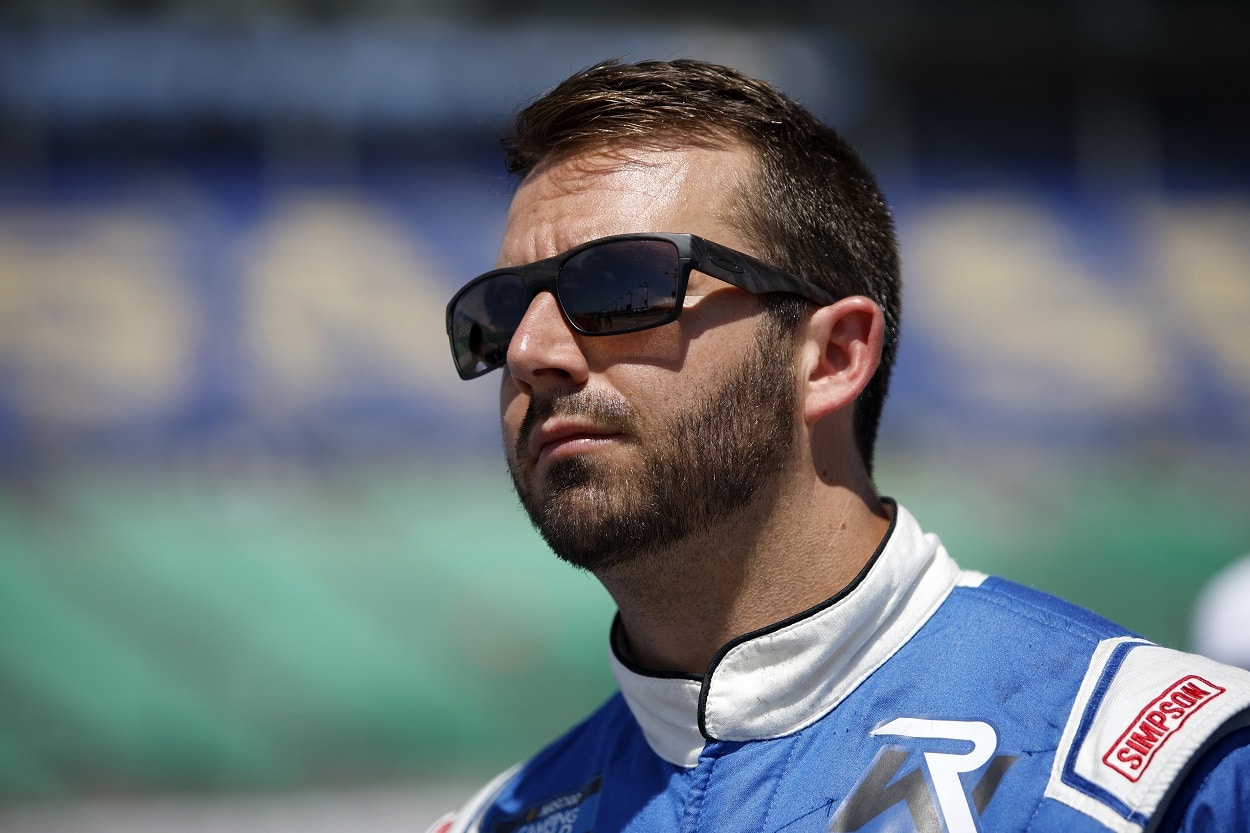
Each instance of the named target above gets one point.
<point>600,193</point>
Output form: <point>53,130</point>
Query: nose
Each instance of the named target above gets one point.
<point>545,351</point>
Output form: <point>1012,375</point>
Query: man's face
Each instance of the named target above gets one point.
<point>624,445</point>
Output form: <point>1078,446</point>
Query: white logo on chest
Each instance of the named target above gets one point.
<point>945,767</point>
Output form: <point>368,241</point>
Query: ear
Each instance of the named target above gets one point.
<point>839,354</point>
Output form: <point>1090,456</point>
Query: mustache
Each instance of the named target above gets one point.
<point>605,411</point>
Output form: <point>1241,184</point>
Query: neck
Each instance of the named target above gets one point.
<point>679,607</point>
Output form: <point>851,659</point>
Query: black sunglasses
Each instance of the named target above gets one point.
<point>612,285</point>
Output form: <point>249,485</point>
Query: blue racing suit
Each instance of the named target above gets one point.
<point>921,698</point>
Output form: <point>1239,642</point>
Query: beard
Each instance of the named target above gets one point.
<point>691,473</point>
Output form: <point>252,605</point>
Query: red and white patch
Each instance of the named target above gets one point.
<point>1155,724</point>
<point>1141,714</point>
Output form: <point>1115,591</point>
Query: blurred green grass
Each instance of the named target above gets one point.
<point>180,630</point>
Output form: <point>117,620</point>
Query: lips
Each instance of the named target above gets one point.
<point>570,424</point>
<point>558,438</point>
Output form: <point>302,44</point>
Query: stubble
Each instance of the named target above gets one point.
<point>690,473</point>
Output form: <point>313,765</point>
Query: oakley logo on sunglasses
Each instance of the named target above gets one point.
<point>609,286</point>
<point>724,263</point>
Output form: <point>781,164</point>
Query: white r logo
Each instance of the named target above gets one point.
<point>944,767</point>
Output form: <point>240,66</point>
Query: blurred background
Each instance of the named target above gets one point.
<point>260,565</point>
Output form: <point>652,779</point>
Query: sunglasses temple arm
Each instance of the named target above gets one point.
<point>755,275</point>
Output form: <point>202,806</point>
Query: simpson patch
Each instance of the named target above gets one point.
<point>1141,714</point>
<point>1159,721</point>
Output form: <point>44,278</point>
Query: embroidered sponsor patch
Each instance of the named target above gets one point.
<point>570,812</point>
<point>1154,725</point>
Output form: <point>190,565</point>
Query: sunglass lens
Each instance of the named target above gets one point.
<point>483,321</point>
<point>620,285</point>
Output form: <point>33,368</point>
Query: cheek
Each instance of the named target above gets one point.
<point>512,407</point>
<point>663,348</point>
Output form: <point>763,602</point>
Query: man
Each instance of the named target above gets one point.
<point>695,313</point>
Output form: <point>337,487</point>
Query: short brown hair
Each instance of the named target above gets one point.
<point>813,209</point>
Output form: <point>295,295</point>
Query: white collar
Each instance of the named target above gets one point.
<point>779,679</point>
